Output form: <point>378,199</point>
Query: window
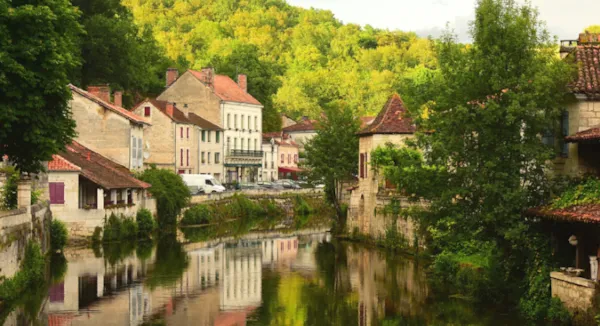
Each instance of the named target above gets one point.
<point>187,130</point>
<point>140,155</point>
<point>235,121</point>
<point>181,157</point>
<point>217,158</point>
<point>256,123</point>
<point>133,151</point>
<point>565,133</point>
<point>147,111</point>
<point>208,157</point>
<point>203,160</point>
<point>295,158</point>
<point>203,135</point>
<point>208,132</point>
<point>248,143</point>
<point>57,192</point>
<point>249,122</point>
<point>289,158</point>
<point>242,121</point>
<point>217,136</point>
<point>208,183</point>
<point>228,120</point>
<point>282,158</point>
<point>187,157</point>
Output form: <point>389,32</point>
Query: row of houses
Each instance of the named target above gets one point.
<point>575,230</point>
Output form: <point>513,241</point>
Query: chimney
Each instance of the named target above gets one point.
<point>172,75</point>
<point>170,108</point>
<point>243,82</point>
<point>118,98</point>
<point>100,91</point>
<point>208,76</point>
<point>186,110</point>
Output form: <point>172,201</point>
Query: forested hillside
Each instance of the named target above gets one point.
<point>298,61</point>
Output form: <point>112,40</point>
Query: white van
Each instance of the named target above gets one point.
<point>202,183</point>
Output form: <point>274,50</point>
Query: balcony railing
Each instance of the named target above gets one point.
<point>245,153</point>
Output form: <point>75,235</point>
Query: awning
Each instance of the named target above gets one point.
<point>242,165</point>
<point>290,170</point>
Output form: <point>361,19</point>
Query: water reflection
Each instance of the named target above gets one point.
<point>259,279</point>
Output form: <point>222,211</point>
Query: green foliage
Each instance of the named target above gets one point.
<point>129,228</point>
<point>137,64</point>
<point>38,47</point>
<point>97,235</point>
<point>272,210</point>
<point>58,235</point>
<point>119,228</point>
<point>195,215</point>
<point>29,277</point>
<point>35,196</point>
<point>9,190</point>
<point>593,29</point>
<point>171,262</point>
<point>145,223</point>
<point>301,207</point>
<point>328,161</point>
<point>171,194</point>
<point>586,192</point>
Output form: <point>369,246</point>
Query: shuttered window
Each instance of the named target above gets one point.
<point>147,111</point>
<point>140,154</point>
<point>362,165</point>
<point>181,157</point>
<point>565,133</point>
<point>187,155</point>
<point>57,192</point>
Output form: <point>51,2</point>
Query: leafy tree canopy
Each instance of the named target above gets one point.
<point>304,59</point>
<point>38,53</point>
<point>593,29</point>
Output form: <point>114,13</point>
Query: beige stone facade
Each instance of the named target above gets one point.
<point>302,137</point>
<point>269,171</point>
<point>210,153</point>
<point>107,132</point>
<point>576,293</point>
<point>160,138</point>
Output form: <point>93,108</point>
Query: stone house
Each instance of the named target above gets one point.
<point>106,127</point>
<point>288,159</point>
<point>85,187</point>
<point>222,101</point>
<point>179,140</point>
<point>373,193</point>
<point>302,132</point>
<point>270,147</point>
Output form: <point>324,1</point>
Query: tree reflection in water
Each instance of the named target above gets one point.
<point>171,262</point>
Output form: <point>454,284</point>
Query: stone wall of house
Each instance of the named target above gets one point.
<point>200,99</point>
<point>302,137</point>
<point>160,136</point>
<point>102,130</point>
<point>575,292</point>
<point>209,147</point>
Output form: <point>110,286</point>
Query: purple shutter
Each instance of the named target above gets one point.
<point>52,193</point>
<point>60,193</point>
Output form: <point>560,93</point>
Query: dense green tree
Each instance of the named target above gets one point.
<point>171,194</point>
<point>593,29</point>
<point>118,52</point>
<point>38,53</point>
<point>484,159</point>
<point>332,155</point>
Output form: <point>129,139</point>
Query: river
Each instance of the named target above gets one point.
<point>300,278</point>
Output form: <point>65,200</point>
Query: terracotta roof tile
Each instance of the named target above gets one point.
<point>587,58</point>
<point>227,89</point>
<point>59,163</point>
<point>303,125</point>
<point>589,213</point>
<point>586,135</point>
<point>365,121</point>
<point>179,116</point>
<point>119,110</point>
<point>391,119</point>
<point>100,169</point>
<point>203,123</point>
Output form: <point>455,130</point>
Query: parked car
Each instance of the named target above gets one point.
<point>205,183</point>
<point>249,186</point>
<point>288,184</point>
<point>319,186</point>
<point>270,185</point>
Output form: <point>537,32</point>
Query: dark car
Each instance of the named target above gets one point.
<point>288,184</point>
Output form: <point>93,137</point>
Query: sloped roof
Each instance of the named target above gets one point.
<point>365,121</point>
<point>109,106</point>
<point>391,119</point>
<point>289,143</point>
<point>587,58</point>
<point>274,134</point>
<point>303,125</point>
<point>586,135</point>
<point>203,123</point>
<point>59,163</point>
<point>227,89</point>
<point>179,116</point>
<point>589,213</point>
<point>97,168</point>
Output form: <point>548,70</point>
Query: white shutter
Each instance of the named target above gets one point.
<point>133,152</point>
<point>140,153</point>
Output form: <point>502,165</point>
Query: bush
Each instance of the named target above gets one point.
<point>145,223</point>
<point>129,228</point>
<point>35,196</point>
<point>96,237</point>
<point>272,210</point>
<point>171,194</point>
<point>29,277</point>
<point>196,215</point>
<point>112,229</point>
<point>58,235</point>
<point>9,190</point>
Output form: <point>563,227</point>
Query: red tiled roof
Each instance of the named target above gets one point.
<point>589,213</point>
<point>586,135</point>
<point>203,123</point>
<point>587,58</point>
<point>391,120</point>
<point>179,116</point>
<point>100,169</point>
<point>303,125</point>
<point>227,89</point>
<point>290,143</point>
<point>119,110</point>
<point>58,163</point>
<point>365,121</point>
<point>274,134</point>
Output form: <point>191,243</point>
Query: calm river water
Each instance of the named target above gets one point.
<point>302,278</point>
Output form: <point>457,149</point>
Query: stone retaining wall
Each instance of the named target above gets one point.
<point>576,293</point>
<point>200,199</point>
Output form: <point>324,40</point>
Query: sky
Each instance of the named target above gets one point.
<point>564,18</point>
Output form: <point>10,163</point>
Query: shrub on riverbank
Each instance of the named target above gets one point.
<point>58,235</point>
<point>29,277</point>
<point>197,215</point>
<point>171,194</point>
<point>119,228</point>
<point>8,200</point>
<point>145,223</point>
